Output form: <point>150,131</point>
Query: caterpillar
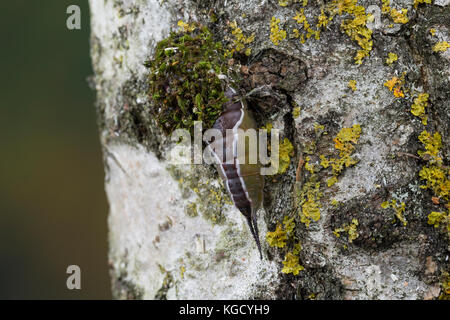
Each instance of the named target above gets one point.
<point>243,181</point>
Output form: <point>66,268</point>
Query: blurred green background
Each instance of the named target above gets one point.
<point>52,200</point>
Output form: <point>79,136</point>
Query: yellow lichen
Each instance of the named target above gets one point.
<point>385,205</point>
<point>344,143</point>
<point>351,230</point>
<point>417,2</point>
<point>186,27</point>
<point>352,85</point>
<point>289,225</point>
<point>436,180</point>
<point>300,17</point>
<point>310,210</point>
<point>276,34</point>
<point>419,105</point>
<point>355,28</point>
<point>322,20</point>
<point>240,41</point>
<point>399,209</point>
<point>291,264</point>
<point>308,166</point>
<point>286,151</point>
<point>296,112</point>
<point>392,57</point>
<point>395,85</point>
<point>441,46</point>
<point>399,16</point>
<point>438,218</point>
<point>432,144</point>
<point>307,201</point>
<point>433,31</point>
<point>277,238</point>
<point>385,8</point>
<point>332,181</point>
<point>435,173</point>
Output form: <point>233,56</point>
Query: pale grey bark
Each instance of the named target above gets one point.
<point>158,250</point>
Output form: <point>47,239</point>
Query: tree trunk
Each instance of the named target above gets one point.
<point>172,230</point>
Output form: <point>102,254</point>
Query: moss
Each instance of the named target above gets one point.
<point>183,80</point>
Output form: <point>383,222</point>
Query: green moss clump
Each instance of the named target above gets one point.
<point>184,80</point>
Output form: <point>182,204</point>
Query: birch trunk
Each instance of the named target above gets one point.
<point>169,238</point>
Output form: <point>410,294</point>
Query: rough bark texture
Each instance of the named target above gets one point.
<point>160,247</point>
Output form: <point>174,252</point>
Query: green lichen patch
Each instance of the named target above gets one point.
<point>183,79</point>
<point>210,200</point>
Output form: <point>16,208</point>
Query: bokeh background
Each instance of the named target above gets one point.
<point>53,209</point>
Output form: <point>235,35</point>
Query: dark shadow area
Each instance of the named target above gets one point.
<point>52,200</point>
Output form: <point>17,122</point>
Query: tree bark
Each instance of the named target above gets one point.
<point>172,232</point>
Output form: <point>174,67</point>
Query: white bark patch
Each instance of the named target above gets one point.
<point>126,39</point>
<point>148,226</point>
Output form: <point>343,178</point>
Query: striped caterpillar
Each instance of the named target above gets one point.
<point>243,181</point>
